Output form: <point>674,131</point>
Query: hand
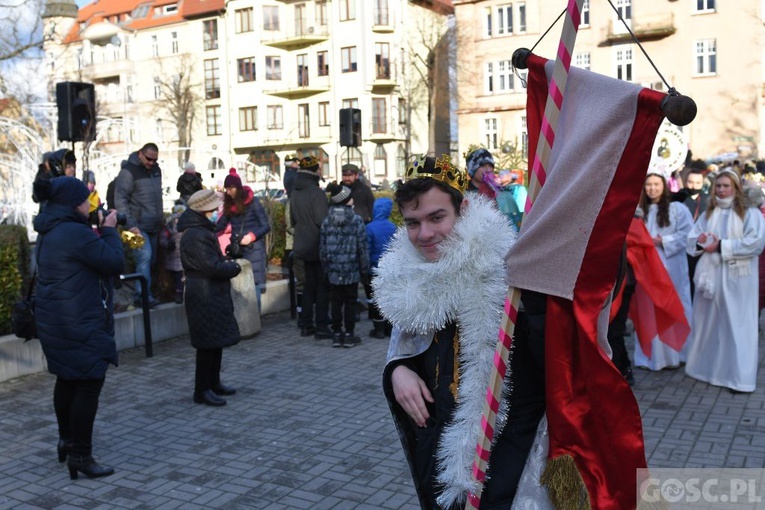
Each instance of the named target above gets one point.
<point>248,239</point>
<point>713,246</point>
<point>111,219</point>
<point>411,392</point>
<point>657,241</point>
<point>702,238</point>
<point>136,231</point>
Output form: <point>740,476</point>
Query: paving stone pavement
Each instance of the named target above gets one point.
<point>308,429</point>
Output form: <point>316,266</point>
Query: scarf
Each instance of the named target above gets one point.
<point>709,262</point>
<point>465,285</point>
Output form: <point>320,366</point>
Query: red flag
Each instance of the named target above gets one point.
<point>569,248</point>
<point>655,308</point>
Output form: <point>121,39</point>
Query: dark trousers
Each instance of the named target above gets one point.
<point>617,327</point>
<point>207,374</point>
<point>315,292</point>
<point>343,299</point>
<point>76,404</point>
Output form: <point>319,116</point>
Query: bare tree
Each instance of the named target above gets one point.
<point>181,97</point>
<point>21,41</point>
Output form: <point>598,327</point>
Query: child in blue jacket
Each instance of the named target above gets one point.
<point>379,232</point>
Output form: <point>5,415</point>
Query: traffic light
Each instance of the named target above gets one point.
<point>350,127</point>
<point>76,103</point>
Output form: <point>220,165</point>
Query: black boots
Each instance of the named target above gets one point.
<point>209,398</point>
<point>63,448</point>
<point>379,330</point>
<point>87,466</point>
<point>222,389</point>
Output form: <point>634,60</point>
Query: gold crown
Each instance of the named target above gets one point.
<point>309,162</point>
<point>442,170</point>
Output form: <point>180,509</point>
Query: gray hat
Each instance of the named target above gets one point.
<point>205,200</point>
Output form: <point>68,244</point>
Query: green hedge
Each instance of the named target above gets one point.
<point>15,272</point>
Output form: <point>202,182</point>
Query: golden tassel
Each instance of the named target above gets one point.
<point>565,485</point>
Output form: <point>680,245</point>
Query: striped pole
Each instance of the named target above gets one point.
<point>555,93</point>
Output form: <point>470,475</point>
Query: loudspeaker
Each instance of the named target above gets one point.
<point>76,103</point>
<point>350,127</point>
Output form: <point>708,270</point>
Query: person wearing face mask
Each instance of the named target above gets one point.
<point>697,202</point>
<point>74,313</point>
<point>729,237</point>
<point>208,303</point>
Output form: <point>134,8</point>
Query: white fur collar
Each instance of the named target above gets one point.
<point>465,285</point>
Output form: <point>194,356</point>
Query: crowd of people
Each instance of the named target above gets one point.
<point>702,241</point>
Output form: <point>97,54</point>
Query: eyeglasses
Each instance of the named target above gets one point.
<point>150,160</point>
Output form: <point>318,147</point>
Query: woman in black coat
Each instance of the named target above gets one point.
<point>249,223</point>
<point>74,312</point>
<point>209,307</point>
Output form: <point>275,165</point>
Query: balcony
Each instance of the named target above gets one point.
<point>382,21</point>
<point>296,35</point>
<point>303,87</point>
<point>106,62</point>
<point>286,139</point>
<point>646,28</point>
<point>384,81</point>
<point>381,130</point>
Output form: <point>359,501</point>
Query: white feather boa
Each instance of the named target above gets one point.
<point>466,285</point>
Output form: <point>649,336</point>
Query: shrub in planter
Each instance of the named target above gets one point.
<point>15,274</point>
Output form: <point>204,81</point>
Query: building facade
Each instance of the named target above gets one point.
<point>710,50</point>
<point>246,83</point>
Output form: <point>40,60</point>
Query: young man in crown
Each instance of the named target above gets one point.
<point>441,283</point>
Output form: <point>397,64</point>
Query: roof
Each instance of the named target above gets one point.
<point>139,14</point>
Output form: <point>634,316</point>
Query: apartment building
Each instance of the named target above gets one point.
<point>710,50</point>
<point>250,82</point>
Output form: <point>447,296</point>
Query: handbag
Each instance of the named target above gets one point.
<point>23,315</point>
<point>23,323</point>
<point>234,249</point>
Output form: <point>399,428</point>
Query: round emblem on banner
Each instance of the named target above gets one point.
<point>670,148</point>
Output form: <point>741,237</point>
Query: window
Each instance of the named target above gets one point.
<point>490,132</point>
<point>170,9</point>
<point>378,115</point>
<point>245,69</point>
<point>243,20</point>
<point>154,46</point>
<point>324,113</point>
<point>706,56</point>
<point>584,20</point>
<point>210,34</point>
<point>350,103</point>
<point>273,68</point>
<point>402,113</point>
<point>381,160</point>
<point>248,118</point>
<point>320,8</point>
<point>275,117</point>
<point>624,64</point>
<point>304,121</point>
<point>489,81</point>
<point>582,60</point>
<point>504,76</point>
<point>322,64</point>
<point>524,137</point>
<point>302,70</point>
<point>212,79</point>
<point>157,88</point>
<point>705,5</point>
<point>401,161</point>
<point>174,42</point>
<point>382,60</point>
<point>381,12</point>
<point>347,10</point>
<point>349,59</point>
<point>270,17</point>
<point>521,17</point>
<point>624,9</point>
<point>488,22</point>
<point>214,121</point>
<point>505,19</point>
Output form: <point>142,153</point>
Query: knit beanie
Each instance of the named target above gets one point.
<point>89,176</point>
<point>477,159</point>
<point>338,194</point>
<point>204,200</point>
<point>232,180</point>
<point>66,191</point>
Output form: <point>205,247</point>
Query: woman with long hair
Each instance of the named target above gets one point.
<point>249,225</point>
<point>669,224</point>
<point>729,238</point>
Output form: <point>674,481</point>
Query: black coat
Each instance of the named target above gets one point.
<point>308,208</point>
<point>74,306</point>
<point>188,183</point>
<point>363,200</point>
<point>209,307</point>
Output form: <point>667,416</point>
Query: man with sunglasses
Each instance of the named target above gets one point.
<point>138,194</point>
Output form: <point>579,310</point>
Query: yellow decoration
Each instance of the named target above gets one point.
<point>443,170</point>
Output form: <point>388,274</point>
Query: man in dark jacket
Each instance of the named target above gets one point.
<point>189,182</point>
<point>138,194</point>
<point>291,167</point>
<point>363,199</point>
<point>697,202</point>
<point>308,208</point>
